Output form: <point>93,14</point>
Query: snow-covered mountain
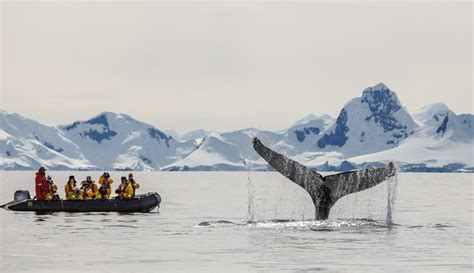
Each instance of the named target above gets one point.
<point>117,141</point>
<point>213,154</point>
<point>196,135</point>
<point>303,136</point>
<point>172,134</point>
<point>438,121</point>
<point>27,144</point>
<point>374,122</point>
<point>369,131</point>
<point>107,141</point>
<point>230,151</point>
<point>444,141</point>
<point>327,118</point>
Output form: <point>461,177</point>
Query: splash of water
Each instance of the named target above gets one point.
<point>251,204</point>
<point>392,191</point>
<point>312,225</point>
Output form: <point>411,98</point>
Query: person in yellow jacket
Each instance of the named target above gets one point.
<point>105,188</point>
<point>89,189</point>
<point>125,189</point>
<point>134,183</point>
<point>52,193</point>
<point>71,190</point>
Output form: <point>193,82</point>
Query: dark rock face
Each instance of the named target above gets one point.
<point>72,126</point>
<point>158,135</point>
<point>326,167</point>
<point>466,119</point>
<point>96,135</point>
<point>301,134</point>
<point>442,128</point>
<point>51,146</point>
<point>453,167</point>
<point>346,166</point>
<point>338,137</point>
<point>343,167</point>
<point>145,159</point>
<point>466,122</point>
<point>106,134</point>
<point>102,119</point>
<point>382,104</point>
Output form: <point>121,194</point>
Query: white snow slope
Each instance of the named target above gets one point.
<point>369,131</point>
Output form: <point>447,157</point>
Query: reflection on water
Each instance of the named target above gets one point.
<point>204,225</point>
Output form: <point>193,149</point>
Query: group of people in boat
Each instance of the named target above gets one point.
<point>88,190</point>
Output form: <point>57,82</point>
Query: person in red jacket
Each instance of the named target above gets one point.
<point>42,187</point>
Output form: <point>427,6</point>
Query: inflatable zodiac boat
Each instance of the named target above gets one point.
<point>141,203</point>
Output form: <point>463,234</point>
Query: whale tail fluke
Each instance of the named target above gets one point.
<point>293,170</point>
<point>324,191</point>
<point>345,183</point>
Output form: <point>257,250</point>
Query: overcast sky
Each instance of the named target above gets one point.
<point>229,66</point>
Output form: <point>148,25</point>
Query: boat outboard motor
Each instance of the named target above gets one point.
<point>21,195</point>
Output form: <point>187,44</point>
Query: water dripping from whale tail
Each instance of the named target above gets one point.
<point>324,191</point>
<point>250,191</point>
<point>250,201</point>
<point>392,191</point>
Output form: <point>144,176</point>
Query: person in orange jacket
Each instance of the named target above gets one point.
<point>41,185</point>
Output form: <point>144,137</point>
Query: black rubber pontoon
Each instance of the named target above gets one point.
<point>141,203</point>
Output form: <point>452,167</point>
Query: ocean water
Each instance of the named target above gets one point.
<point>248,222</point>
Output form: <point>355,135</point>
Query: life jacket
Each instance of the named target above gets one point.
<point>89,186</point>
<point>125,190</point>
<point>84,188</point>
<point>71,189</point>
<point>122,189</point>
<point>106,183</point>
<point>132,181</point>
<point>52,188</point>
